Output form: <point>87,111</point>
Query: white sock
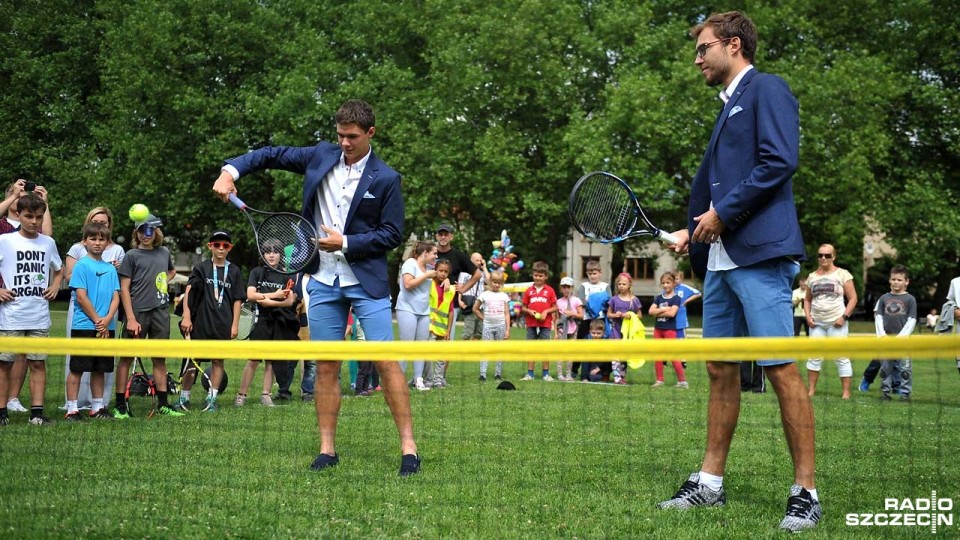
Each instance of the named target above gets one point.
<point>185,395</point>
<point>96,404</point>
<point>813,493</point>
<point>712,481</point>
<point>214,392</point>
<point>71,407</point>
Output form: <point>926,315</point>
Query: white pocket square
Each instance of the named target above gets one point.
<point>734,111</point>
<point>368,195</point>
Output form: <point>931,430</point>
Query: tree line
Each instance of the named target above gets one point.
<point>490,110</point>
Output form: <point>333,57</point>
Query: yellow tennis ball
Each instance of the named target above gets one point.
<point>139,212</point>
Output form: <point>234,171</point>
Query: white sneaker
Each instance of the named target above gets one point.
<point>15,405</point>
<point>419,384</point>
<point>527,377</point>
<point>240,401</point>
<point>266,400</point>
<point>656,384</point>
<point>682,385</point>
<point>548,378</point>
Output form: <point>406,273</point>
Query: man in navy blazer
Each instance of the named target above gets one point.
<point>744,238</point>
<point>354,200</point>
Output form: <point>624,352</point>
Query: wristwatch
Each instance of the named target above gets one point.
<point>846,317</point>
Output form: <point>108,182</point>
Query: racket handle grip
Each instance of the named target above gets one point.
<point>236,201</point>
<point>667,237</point>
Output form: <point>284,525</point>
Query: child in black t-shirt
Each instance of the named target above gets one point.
<point>216,313</point>
<point>276,318</point>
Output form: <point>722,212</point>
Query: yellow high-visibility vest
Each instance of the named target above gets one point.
<point>440,309</point>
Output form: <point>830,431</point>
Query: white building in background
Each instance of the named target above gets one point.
<point>644,259</point>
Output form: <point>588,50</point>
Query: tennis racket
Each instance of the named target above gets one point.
<point>248,317</point>
<point>141,392</point>
<point>282,232</point>
<point>604,209</point>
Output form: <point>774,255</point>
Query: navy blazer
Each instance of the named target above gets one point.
<point>374,223</point>
<point>747,170</point>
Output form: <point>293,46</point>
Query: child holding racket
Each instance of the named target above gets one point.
<point>620,305</point>
<point>492,309</point>
<point>144,273</point>
<point>664,308</point>
<point>539,305</point>
<point>275,318</point>
<point>216,313</point>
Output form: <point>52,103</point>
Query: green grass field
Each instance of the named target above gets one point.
<point>552,460</point>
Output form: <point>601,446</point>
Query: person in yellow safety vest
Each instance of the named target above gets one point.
<point>442,296</point>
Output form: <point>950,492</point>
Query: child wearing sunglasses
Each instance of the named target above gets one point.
<point>211,309</point>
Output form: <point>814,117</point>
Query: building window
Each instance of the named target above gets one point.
<point>583,263</point>
<point>640,267</point>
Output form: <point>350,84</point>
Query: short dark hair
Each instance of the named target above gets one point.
<point>31,202</point>
<point>357,112</point>
<point>540,267</point>
<point>900,269</point>
<point>96,230</point>
<point>597,324</point>
<point>442,262</point>
<point>732,24</point>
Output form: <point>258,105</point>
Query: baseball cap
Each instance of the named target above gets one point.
<point>445,227</point>
<point>568,281</point>
<point>152,220</point>
<point>221,235</point>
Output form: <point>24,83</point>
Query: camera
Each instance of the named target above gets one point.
<point>29,186</point>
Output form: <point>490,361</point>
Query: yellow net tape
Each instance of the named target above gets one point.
<point>915,347</point>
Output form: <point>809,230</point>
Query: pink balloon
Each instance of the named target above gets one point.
<point>516,267</point>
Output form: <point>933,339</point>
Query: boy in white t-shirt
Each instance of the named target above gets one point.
<point>31,269</point>
<point>492,307</point>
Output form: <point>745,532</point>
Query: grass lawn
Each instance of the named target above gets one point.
<point>551,460</point>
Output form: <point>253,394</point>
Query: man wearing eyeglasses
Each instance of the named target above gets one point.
<point>744,238</point>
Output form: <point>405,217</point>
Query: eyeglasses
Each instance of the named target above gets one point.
<point>702,49</point>
<point>220,245</point>
<point>824,255</point>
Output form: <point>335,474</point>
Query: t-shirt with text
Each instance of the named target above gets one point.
<point>663,322</point>
<point>826,292</point>
<point>27,266</point>
<point>494,307</point>
<point>539,301</point>
<point>895,310</point>
<point>221,286</point>
<point>100,281</point>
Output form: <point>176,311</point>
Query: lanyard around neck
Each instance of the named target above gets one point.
<point>219,293</point>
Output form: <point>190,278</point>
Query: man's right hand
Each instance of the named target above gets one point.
<point>224,186</point>
<point>683,241</point>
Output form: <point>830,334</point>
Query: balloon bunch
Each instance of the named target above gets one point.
<point>503,256</point>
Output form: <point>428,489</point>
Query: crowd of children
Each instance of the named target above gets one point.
<point>108,284</point>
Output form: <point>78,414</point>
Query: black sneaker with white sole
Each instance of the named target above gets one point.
<point>803,511</point>
<point>692,494</point>
<point>409,464</point>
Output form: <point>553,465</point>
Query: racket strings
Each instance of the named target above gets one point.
<point>603,208</point>
<point>290,235</point>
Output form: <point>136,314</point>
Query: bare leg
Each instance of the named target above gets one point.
<point>397,395</point>
<point>17,376</point>
<point>216,375</point>
<point>268,377</point>
<point>38,382</point>
<point>812,377</point>
<point>5,369</point>
<point>123,373</point>
<point>160,374</point>
<point>723,410</point>
<point>96,385</point>
<point>796,413</point>
<point>249,371</point>
<point>327,396</point>
<point>845,383</point>
<point>73,385</point>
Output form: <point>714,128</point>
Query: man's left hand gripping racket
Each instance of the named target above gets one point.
<point>604,209</point>
<point>289,234</point>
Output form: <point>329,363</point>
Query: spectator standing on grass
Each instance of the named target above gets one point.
<point>31,271</point>
<point>896,315</point>
<point>687,295</point>
<point>799,315</point>
<point>459,263</point>
<point>275,319</point>
<point>827,313</point>
<point>96,288</point>
<point>953,295</point>
<point>413,302</point>
<point>569,315</point>
<point>9,223</point>
<point>932,319</point>
<point>145,299</point>
<point>472,326</point>
<point>620,305</point>
<point>354,200</point>
<point>113,254</point>
<point>594,293</point>
<point>215,314</point>
<point>744,238</point>
<point>665,307</point>
<point>539,305</point>
<point>493,309</point>
<point>443,296</point>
